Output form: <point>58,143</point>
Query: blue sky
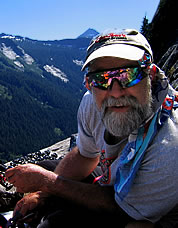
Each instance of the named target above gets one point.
<point>55,19</point>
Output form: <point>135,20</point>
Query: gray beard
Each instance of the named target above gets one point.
<point>123,124</point>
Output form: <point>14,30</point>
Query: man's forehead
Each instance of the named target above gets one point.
<point>109,63</point>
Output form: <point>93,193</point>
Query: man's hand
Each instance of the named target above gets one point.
<point>30,202</point>
<point>29,177</point>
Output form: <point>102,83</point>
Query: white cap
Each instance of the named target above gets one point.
<point>128,44</point>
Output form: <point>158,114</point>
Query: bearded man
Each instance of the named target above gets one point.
<point>127,143</point>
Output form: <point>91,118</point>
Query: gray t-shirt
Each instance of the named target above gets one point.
<point>154,191</point>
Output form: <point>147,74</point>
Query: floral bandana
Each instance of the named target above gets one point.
<point>135,149</point>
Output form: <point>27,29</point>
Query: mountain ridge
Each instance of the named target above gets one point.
<point>41,85</point>
<point>89,33</point>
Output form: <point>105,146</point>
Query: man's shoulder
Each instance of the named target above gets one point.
<point>87,105</point>
<point>171,126</point>
<point>87,99</point>
<point>89,116</point>
<point>163,149</point>
<point>168,134</point>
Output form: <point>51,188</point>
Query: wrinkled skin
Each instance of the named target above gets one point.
<point>29,177</point>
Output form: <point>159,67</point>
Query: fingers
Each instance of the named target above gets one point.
<point>28,218</point>
<point>29,177</point>
<point>10,175</point>
<point>11,180</point>
<point>17,208</point>
<point>12,171</point>
<point>9,172</point>
<point>21,212</point>
<point>13,177</point>
<point>21,207</point>
<point>28,203</point>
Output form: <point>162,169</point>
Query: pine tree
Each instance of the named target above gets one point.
<point>145,28</point>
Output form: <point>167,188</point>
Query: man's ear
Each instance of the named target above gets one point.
<point>87,84</point>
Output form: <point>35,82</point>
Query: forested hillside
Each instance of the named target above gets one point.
<point>40,90</point>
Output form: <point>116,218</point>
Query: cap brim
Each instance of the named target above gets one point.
<point>122,51</point>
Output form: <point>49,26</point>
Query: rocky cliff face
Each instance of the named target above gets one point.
<point>163,37</point>
<point>163,28</point>
<point>169,64</point>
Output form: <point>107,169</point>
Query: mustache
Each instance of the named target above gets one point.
<point>122,101</point>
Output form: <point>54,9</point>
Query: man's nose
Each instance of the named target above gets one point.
<point>116,90</point>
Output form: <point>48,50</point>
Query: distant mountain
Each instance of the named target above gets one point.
<point>89,33</point>
<point>40,90</point>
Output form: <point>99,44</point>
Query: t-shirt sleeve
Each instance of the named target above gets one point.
<point>86,141</point>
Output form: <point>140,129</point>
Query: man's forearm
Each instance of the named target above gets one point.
<point>66,183</point>
<point>73,168</point>
<point>76,167</point>
<point>94,197</point>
